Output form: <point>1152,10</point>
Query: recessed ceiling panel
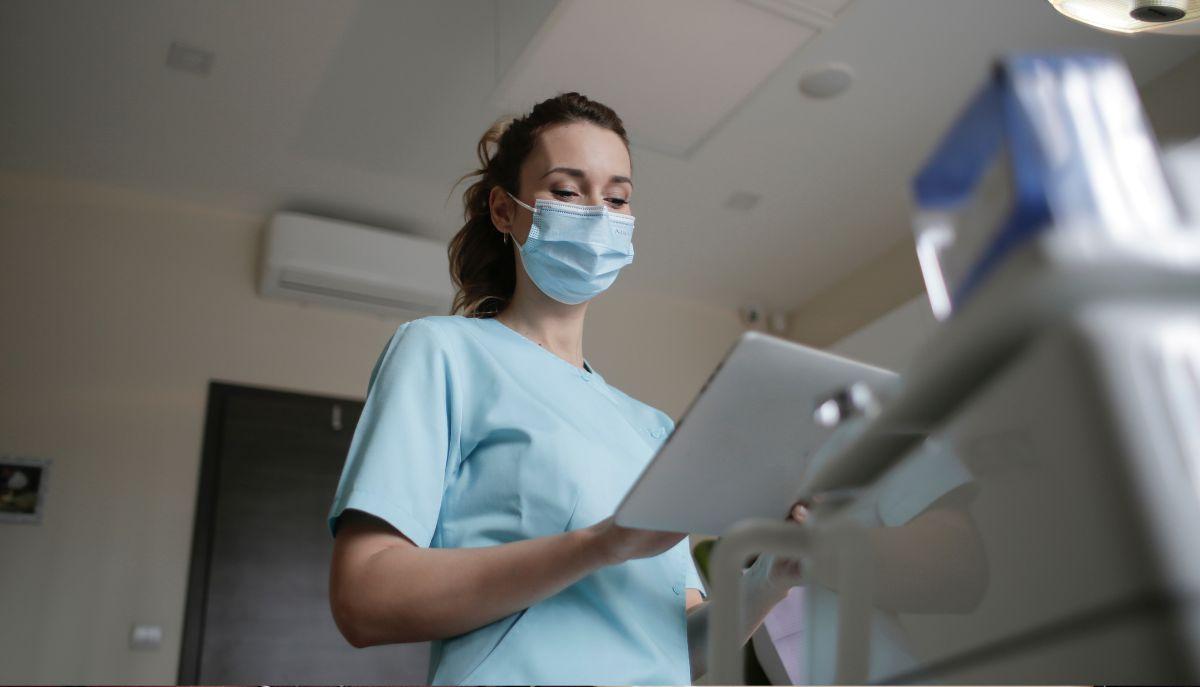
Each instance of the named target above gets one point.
<point>674,69</point>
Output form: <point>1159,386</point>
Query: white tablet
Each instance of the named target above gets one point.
<point>741,446</point>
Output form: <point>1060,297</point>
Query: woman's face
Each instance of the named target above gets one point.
<point>573,163</point>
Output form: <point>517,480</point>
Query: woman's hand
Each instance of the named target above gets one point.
<point>620,544</point>
<point>775,575</point>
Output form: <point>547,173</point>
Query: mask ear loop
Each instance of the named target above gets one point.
<point>518,202</point>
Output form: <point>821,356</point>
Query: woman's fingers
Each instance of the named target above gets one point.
<point>786,572</point>
<point>799,512</point>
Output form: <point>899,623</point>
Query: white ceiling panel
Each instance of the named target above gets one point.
<point>671,99</point>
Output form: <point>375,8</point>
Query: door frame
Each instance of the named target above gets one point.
<point>219,395</point>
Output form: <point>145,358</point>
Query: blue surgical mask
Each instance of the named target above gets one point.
<point>574,252</point>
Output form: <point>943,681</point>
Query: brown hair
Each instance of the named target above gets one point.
<point>482,265</point>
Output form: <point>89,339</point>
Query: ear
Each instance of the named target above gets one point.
<point>502,208</point>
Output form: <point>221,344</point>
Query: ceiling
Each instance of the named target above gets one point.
<point>370,110</point>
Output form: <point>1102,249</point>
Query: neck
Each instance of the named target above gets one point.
<point>558,327</point>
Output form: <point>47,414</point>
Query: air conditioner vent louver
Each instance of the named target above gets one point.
<point>308,284</point>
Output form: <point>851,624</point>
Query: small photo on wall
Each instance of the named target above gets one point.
<point>22,489</point>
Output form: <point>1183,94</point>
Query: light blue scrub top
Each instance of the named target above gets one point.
<point>473,435</point>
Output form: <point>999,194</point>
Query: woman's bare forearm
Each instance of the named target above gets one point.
<point>408,593</point>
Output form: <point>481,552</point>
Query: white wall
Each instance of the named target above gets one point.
<point>118,308</point>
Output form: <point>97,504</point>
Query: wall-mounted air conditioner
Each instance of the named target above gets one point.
<point>317,260</point>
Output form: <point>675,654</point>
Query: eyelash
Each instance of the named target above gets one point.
<point>619,202</point>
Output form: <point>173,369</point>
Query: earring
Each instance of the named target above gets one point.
<point>506,238</point>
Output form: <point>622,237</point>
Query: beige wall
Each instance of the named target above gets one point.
<point>118,308</point>
<point>859,298</point>
<point>894,340</point>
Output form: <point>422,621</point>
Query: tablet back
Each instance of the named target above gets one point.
<point>739,449</point>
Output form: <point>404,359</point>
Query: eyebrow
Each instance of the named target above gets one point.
<point>578,174</point>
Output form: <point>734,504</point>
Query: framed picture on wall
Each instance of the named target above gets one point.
<point>23,489</point>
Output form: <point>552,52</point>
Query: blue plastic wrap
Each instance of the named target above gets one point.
<point>1051,142</point>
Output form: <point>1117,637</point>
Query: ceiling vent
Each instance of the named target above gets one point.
<point>674,69</point>
<point>328,262</point>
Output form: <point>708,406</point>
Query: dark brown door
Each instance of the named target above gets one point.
<point>258,606</point>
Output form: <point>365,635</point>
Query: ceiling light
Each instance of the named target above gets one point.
<point>1158,11</point>
<point>1129,16</point>
<point>827,81</point>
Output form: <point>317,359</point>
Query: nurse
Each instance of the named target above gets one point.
<point>474,506</point>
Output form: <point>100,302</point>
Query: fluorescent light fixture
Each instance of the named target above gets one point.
<point>1119,15</point>
<point>674,69</point>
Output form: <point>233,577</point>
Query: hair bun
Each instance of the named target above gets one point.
<point>489,143</point>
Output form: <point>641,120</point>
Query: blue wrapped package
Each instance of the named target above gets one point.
<point>1054,150</point>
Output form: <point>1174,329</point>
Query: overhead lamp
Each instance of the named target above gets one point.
<point>1129,16</point>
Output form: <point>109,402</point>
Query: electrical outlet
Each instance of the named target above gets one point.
<point>145,637</point>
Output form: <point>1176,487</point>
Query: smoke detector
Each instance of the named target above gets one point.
<point>826,81</point>
<point>1130,16</point>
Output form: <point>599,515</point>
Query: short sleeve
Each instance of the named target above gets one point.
<point>692,579</point>
<point>406,441</point>
<point>668,423</point>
